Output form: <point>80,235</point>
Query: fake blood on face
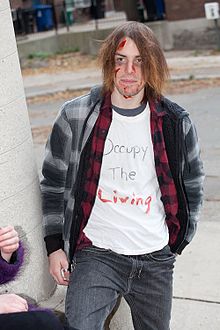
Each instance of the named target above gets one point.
<point>121,45</point>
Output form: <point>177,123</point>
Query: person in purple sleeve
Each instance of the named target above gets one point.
<point>12,254</point>
<point>15,313</point>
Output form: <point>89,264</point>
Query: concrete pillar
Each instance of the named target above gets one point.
<point>19,194</point>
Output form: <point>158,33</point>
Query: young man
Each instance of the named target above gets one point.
<point>122,187</point>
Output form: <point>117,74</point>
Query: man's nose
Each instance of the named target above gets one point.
<point>130,67</point>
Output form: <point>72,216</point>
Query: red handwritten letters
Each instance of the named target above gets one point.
<point>128,200</point>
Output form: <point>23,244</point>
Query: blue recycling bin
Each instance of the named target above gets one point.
<point>44,17</point>
<point>160,9</point>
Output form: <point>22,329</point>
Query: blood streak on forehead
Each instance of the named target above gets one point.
<point>122,43</point>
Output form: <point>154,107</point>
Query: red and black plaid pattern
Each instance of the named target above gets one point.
<point>164,176</point>
<point>166,183</point>
<point>100,132</point>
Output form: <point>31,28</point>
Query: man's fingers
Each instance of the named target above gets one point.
<point>65,274</point>
<point>63,282</point>
<point>58,265</point>
<point>58,277</point>
<point>59,280</point>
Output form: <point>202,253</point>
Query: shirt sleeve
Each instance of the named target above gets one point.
<point>55,167</point>
<point>193,177</point>
<point>53,243</point>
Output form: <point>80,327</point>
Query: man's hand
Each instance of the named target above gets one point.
<point>9,242</point>
<point>58,265</point>
<point>12,303</point>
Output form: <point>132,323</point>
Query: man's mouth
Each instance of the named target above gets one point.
<point>128,81</point>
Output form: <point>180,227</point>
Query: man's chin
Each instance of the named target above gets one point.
<point>129,92</point>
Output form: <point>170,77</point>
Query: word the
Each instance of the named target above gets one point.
<point>122,174</point>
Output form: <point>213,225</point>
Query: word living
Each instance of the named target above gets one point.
<point>127,200</point>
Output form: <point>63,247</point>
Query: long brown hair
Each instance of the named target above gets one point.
<point>155,70</point>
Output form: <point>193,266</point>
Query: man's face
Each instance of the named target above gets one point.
<point>128,79</point>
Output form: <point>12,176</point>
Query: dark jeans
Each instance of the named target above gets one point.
<point>100,276</point>
<point>38,320</point>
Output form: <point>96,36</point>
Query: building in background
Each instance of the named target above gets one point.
<point>31,16</point>
<point>177,24</point>
<point>82,10</point>
<point>177,10</point>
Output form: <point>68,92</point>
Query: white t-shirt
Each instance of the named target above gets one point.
<point>128,216</point>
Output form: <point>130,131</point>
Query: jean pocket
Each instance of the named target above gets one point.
<point>162,255</point>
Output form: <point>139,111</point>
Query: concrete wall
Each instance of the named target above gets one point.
<point>20,203</point>
<point>87,42</point>
<point>162,32</point>
<point>197,33</point>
